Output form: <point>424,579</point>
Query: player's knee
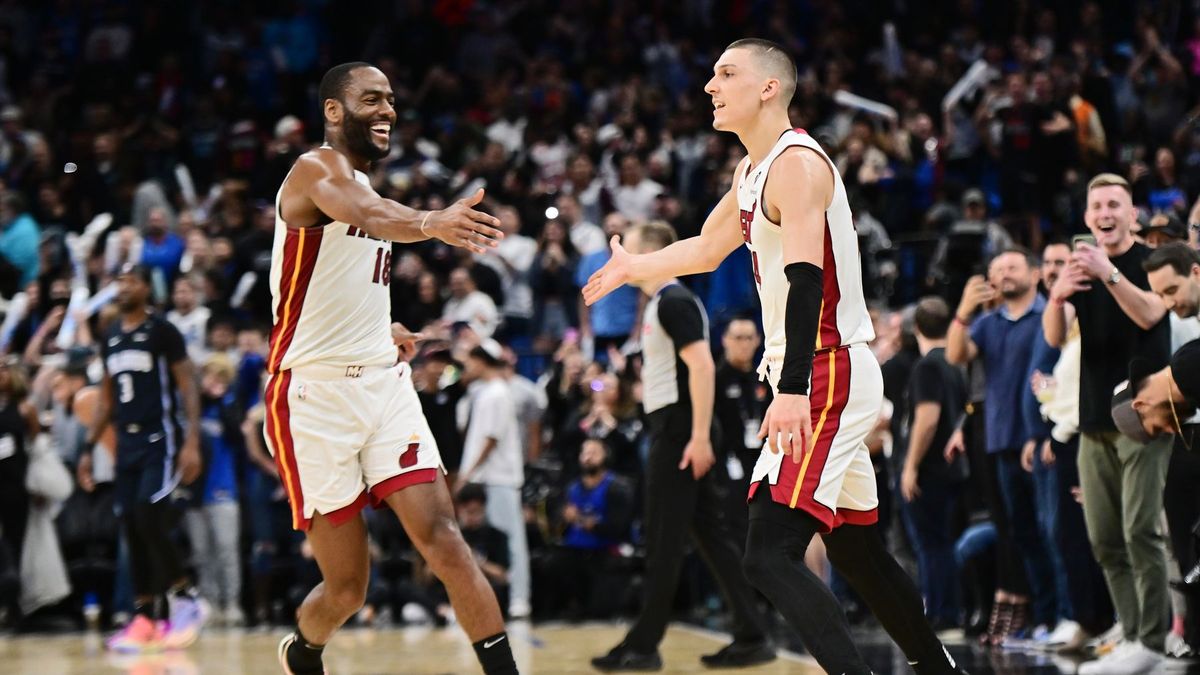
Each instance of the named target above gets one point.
<point>760,565</point>
<point>444,546</point>
<point>348,594</point>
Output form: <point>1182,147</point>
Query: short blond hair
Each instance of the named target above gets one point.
<point>1109,179</point>
<point>657,233</point>
<point>221,367</point>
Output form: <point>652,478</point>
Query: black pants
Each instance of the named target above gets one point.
<point>1181,499</point>
<point>677,505</point>
<point>1091,606</point>
<point>154,560</point>
<point>775,547</point>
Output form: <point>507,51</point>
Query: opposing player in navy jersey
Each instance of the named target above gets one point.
<point>147,375</point>
<point>814,474</point>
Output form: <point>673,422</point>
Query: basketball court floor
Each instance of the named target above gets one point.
<point>544,648</point>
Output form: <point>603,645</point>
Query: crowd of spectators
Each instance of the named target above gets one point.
<point>159,133</point>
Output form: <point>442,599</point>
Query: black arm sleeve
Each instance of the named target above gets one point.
<point>800,325</point>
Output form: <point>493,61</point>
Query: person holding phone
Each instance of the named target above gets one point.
<point>1105,287</point>
<point>1003,340</point>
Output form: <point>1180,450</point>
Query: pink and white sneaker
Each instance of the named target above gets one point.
<point>140,636</point>
<point>188,616</point>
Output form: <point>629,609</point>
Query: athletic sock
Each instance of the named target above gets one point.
<point>146,609</point>
<point>495,655</point>
<point>304,658</point>
<point>185,590</point>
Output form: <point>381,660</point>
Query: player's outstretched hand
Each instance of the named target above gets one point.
<point>461,225</point>
<point>612,276</point>
<point>406,341</point>
<point>787,426</point>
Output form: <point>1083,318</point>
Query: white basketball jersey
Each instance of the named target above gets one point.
<point>844,318</point>
<point>330,300</point>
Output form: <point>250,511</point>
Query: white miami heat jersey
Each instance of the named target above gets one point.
<point>844,318</point>
<point>329,295</point>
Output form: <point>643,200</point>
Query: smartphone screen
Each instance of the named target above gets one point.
<point>1082,238</point>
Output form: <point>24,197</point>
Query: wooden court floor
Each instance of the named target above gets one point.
<point>548,648</point>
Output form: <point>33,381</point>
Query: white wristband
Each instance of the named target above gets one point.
<point>426,220</point>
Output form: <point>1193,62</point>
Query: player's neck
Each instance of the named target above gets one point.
<point>764,135</point>
<point>337,141</point>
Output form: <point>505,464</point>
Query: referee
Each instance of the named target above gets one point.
<point>682,495</point>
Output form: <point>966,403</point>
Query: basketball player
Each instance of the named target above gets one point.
<point>814,474</point>
<point>146,369</point>
<point>343,419</point>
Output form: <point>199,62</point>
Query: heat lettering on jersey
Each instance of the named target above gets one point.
<point>352,231</point>
<point>747,220</point>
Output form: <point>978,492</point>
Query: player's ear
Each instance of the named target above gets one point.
<point>770,88</point>
<point>333,110</point>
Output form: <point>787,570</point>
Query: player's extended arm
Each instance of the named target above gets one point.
<point>694,255</point>
<point>800,193</point>
<point>323,180</point>
<point>185,383</point>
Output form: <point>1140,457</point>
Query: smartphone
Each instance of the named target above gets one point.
<point>1082,239</point>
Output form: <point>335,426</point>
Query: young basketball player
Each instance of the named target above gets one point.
<point>343,419</point>
<point>814,475</point>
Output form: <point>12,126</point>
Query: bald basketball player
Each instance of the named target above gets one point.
<point>343,419</point>
<point>815,474</point>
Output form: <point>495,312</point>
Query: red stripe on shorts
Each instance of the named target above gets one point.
<point>279,429</point>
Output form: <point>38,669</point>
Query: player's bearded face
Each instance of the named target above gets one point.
<point>359,137</point>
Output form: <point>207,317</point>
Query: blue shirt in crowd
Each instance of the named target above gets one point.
<point>19,243</point>
<point>220,481</point>
<point>164,255</point>
<point>614,314</point>
<point>592,502</point>
<point>1006,346</point>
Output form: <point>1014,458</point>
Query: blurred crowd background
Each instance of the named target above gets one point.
<point>160,132</point>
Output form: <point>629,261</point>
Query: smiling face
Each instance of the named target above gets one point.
<point>736,89</point>
<point>365,113</point>
<point>1109,215</point>
<point>1180,293</point>
<point>1011,275</point>
<point>1153,405</point>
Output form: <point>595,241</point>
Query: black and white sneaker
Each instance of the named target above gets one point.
<point>286,644</point>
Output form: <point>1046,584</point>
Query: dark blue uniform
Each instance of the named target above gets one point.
<point>145,409</point>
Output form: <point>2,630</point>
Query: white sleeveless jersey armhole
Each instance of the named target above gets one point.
<point>844,317</point>
<point>330,297</point>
